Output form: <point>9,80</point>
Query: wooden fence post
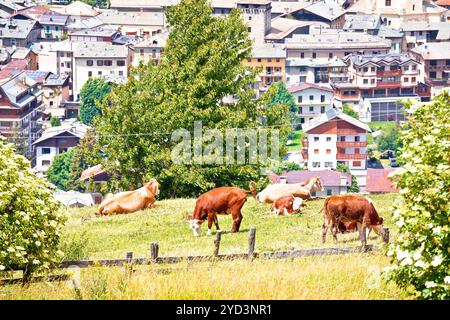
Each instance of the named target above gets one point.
<point>129,266</point>
<point>154,249</point>
<point>385,235</point>
<point>251,243</point>
<point>217,243</point>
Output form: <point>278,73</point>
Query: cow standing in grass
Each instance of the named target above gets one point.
<point>222,200</point>
<point>347,209</point>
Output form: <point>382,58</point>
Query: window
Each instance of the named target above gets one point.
<point>311,98</point>
<point>45,151</point>
<point>413,79</point>
<point>406,80</point>
<point>300,110</point>
<point>68,65</point>
<point>357,163</point>
<point>316,139</point>
<point>100,63</point>
<point>120,63</point>
<point>406,68</point>
<point>372,69</point>
<point>45,162</point>
<point>277,60</point>
<point>302,55</point>
<point>330,55</point>
<point>89,63</point>
<point>356,150</point>
<point>89,74</point>
<point>322,109</point>
<point>107,63</point>
<point>62,150</point>
<point>314,55</point>
<point>357,138</point>
<point>328,164</point>
<point>249,29</point>
<point>342,138</point>
<point>311,109</point>
<point>142,52</point>
<point>316,164</point>
<point>433,75</point>
<point>269,60</point>
<point>328,139</point>
<point>411,33</point>
<point>433,63</point>
<point>99,73</point>
<point>322,98</point>
<point>366,69</point>
<point>316,151</point>
<point>365,81</point>
<point>120,73</point>
<point>372,81</point>
<point>259,59</point>
<point>329,192</point>
<point>50,103</point>
<point>447,62</point>
<point>299,99</point>
<point>328,151</point>
<point>414,67</point>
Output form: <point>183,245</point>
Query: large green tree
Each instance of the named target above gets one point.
<point>201,69</point>
<point>421,251</point>
<point>92,93</point>
<point>59,172</point>
<point>390,139</point>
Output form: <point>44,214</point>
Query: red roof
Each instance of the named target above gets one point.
<point>91,172</point>
<point>34,13</point>
<point>329,178</point>
<point>378,181</point>
<point>14,67</point>
<point>304,86</point>
<point>443,3</point>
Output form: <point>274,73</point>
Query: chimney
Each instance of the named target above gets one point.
<point>283,180</point>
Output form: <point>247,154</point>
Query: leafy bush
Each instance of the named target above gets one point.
<point>30,221</point>
<point>421,253</point>
<point>55,122</point>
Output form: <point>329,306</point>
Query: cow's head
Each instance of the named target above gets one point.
<point>377,226</point>
<point>153,186</point>
<point>298,202</point>
<point>195,225</point>
<point>318,184</point>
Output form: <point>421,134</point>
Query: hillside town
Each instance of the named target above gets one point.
<point>367,56</point>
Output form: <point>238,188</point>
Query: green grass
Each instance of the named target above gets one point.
<point>296,141</point>
<point>330,277</point>
<point>375,126</point>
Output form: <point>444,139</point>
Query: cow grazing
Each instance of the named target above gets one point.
<point>287,205</point>
<point>222,200</point>
<point>347,209</point>
<point>301,190</point>
<point>131,201</point>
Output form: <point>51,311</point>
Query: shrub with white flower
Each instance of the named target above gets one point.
<point>421,254</point>
<point>30,219</point>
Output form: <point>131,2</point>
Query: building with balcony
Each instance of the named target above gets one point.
<point>434,59</point>
<point>20,102</point>
<point>312,100</point>
<point>377,83</point>
<point>57,140</point>
<point>334,138</point>
<point>53,26</point>
<point>319,71</point>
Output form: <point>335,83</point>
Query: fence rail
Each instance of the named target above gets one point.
<point>251,254</point>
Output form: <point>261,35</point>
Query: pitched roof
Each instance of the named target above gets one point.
<point>76,8</point>
<point>377,180</point>
<point>303,86</point>
<point>332,114</point>
<point>269,51</point>
<point>359,60</point>
<point>75,129</point>
<point>100,49</point>
<point>16,28</point>
<point>51,18</point>
<point>433,50</point>
<point>91,172</point>
<point>328,9</point>
<point>362,21</point>
<point>329,178</point>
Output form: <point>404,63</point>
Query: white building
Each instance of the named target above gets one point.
<point>334,138</point>
<point>312,100</point>
<point>99,59</point>
<point>57,140</point>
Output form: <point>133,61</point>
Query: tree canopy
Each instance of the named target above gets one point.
<point>349,111</point>
<point>390,139</point>
<point>199,78</point>
<point>420,254</point>
<point>92,93</point>
<point>59,171</point>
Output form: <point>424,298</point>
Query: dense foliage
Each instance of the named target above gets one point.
<point>55,122</point>
<point>421,253</point>
<point>390,139</point>
<point>349,111</point>
<point>200,78</point>
<point>92,93</point>
<point>30,221</point>
<point>59,171</point>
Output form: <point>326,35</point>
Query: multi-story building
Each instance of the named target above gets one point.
<point>397,12</point>
<point>257,14</point>
<point>97,34</point>
<point>56,90</point>
<point>99,59</point>
<point>53,26</point>
<point>321,70</point>
<point>312,100</point>
<point>377,83</point>
<point>57,140</point>
<point>418,33</point>
<point>19,33</point>
<point>20,101</point>
<point>149,49</point>
<point>434,62</point>
<point>334,138</point>
<point>327,11</point>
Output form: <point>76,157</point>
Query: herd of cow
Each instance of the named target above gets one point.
<point>341,212</point>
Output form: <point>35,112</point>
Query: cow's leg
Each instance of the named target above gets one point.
<point>237,219</point>
<point>211,218</point>
<point>334,229</point>
<point>216,222</point>
<point>363,236</point>
<point>325,226</point>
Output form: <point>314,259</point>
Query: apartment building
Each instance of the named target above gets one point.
<point>420,32</point>
<point>321,70</point>
<point>56,90</point>
<point>20,101</point>
<point>312,100</point>
<point>53,26</point>
<point>19,33</point>
<point>99,59</point>
<point>334,138</point>
<point>104,33</point>
<point>57,140</point>
<point>377,83</point>
<point>434,63</point>
<point>149,49</point>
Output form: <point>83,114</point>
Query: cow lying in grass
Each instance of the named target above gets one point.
<point>222,200</point>
<point>287,205</point>
<point>301,190</point>
<point>131,201</point>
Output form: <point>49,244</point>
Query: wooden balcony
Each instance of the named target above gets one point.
<point>351,144</point>
<point>389,73</point>
<point>393,84</point>
<point>342,156</point>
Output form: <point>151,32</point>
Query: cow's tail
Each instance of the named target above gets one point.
<point>252,186</point>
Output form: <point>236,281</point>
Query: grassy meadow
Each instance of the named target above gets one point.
<point>86,236</point>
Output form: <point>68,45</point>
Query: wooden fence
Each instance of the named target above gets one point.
<point>250,255</point>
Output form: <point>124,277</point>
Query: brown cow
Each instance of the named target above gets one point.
<point>351,208</point>
<point>131,201</point>
<point>222,200</point>
<point>287,205</point>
